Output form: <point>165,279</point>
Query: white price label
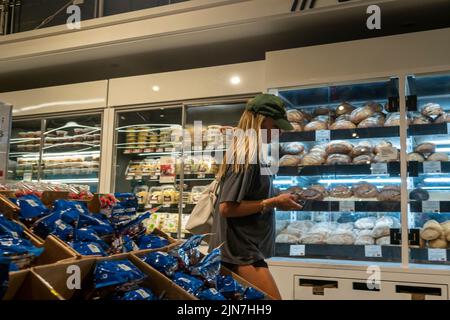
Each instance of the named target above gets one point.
<point>166,205</point>
<point>432,167</point>
<point>93,248</point>
<point>373,251</point>
<point>201,176</point>
<point>323,135</point>
<point>27,176</point>
<point>437,255</point>
<point>124,267</point>
<point>347,206</point>
<point>293,216</point>
<point>297,250</point>
<point>379,168</point>
<point>431,206</point>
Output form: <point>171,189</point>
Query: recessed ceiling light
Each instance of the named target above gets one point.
<point>235,80</point>
<point>156,88</point>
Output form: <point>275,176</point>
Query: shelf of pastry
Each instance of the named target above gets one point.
<point>390,168</point>
<point>340,134</point>
<point>351,206</point>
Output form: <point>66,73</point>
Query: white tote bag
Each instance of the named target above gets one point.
<point>201,218</point>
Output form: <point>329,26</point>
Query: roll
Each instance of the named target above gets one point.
<point>438,156</point>
<point>431,230</point>
<point>425,148</point>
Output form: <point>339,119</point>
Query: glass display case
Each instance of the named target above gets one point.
<point>343,161</point>
<point>60,150</point>
<point>428,147</point>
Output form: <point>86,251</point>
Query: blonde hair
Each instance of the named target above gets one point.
<point>245,147</point>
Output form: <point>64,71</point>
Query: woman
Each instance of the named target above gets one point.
<point>244,219</point>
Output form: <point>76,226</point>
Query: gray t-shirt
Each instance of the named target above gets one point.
<point>251,238</point>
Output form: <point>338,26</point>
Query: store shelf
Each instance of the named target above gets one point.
<point>330,251</point>
<point>187,177</point>
<point>393,169</point>
<point>433,206</point>
<point>415,168</point>
<point>347,206</point>
<point>361,133</point>
<point>428,129</point>
<point>421,255</point>
<point>174,208</point>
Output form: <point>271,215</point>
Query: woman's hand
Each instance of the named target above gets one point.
<point>286,202</point>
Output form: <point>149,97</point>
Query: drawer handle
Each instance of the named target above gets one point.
<point>318,286</point>
<point>417,292</point>
<point>362,286</point>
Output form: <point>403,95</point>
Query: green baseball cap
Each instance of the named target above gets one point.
<point>271,106</point>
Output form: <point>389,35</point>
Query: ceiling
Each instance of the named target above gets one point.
<point>217,46</point>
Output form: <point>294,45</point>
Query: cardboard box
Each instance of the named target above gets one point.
<point>7,207</point>
<point>27,285</point>
<point>56,276</point>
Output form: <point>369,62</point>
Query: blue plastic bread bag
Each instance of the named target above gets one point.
<point>128,201</point>
<point>116,273</point>
<point>88,235</point>
<point>209,267</point>
<point>53,224</point>
<point>31,207</point>
<point>137,294</point>
<point>88,248</point>
<point>229,287</point>
<point>133,226</point>
<point>210,294</point>
<point>15,246</point>
<point>253,294</point>
<point>151,241</point>
<point>189,283</point>
<point>62,204</point>
<point>188,252</point>
<point>101,227</point>
<point>10,228</point>
<point>162,261</point>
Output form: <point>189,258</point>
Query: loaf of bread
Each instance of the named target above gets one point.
<point>383,225</point>
<point>295,116</point>
<point>344,117</point>
<point>438,156</point>
<point>337,158</point>
<point>340,191</point>
<point>420,119</point>
<point>312,194</point>
<point>321,111</point>
<point>361,113</point>
<point>425,148</point>
<point>364,237</point>
<point>362,148</point>
<point>363,159</point>
<point>381,145</point>
<point>365,190</point>
<point>340,147</point>
<point>432,110</point>
<point>431,230</point>
<point>366,223</point>
<point>324,118</point>
<point>439,243</point>
<point>292,148</point>
<point>313,238</point>
<point>344,108</point>
<point>290,161</point>
<point>372,122</point>
<point>316,125</point>
<point>341,237</point>
<point>313,159</point>
<point>319,149</point>
<point>414,156</point>
<point>443,118</point>
<point>389,193</point>
<point>446,229</point>
<point>384,241</point>
<point>392,120</point>
<point>419,195</point>
<point>298,127</point>
<point>287,238</point>
<point>377,107</point>
<point>342,124</point>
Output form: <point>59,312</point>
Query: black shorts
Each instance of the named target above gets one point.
<point>257,264</point>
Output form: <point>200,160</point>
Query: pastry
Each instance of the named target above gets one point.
<point>419,195</point>
<point>316,125</point>
<point>383,241</point>
<point>425,148</point>
<point>414,156</point>
<point>431,230</point>
<point>362,148</point>
<point>334,159</point>
<point>446,229</point>
<point>290,161</point>
<point>363,159</point>
<point>420,119</point>
<point>389,193</point>
<point>432,110</point>
<point>295,116</point>
<point>344,108</point>
<point>443,118</point>
<point>340,147</point>
<point>313,159</point>
<point>365,190</point>
<point>365,223</point>
<point>361,113</point>
<point>340,191</point>
<point>292,148</point>
<point>342,124</point>
<point>440,243</point>
<point>438,156</point>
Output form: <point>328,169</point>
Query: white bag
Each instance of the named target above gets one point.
<point>201,218</point>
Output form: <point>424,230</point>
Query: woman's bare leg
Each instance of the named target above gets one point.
<point>261,278</point>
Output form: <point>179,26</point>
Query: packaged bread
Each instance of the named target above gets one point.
<point>365,223</point>
<point>312,193</point>
<point>286,238</point>
<point>364,237</point>
<point>372,122</point>
<point>389,193</point>
<point>292,148</point>
<point>337,158</point>
<point>155,195</point>
<point>443,118</point>
<point>342,124</point>
<point>313,238</point>
<point>319,188</point>
<point>169,194</point>
<point>297,127</point>
<point>290,161</point>
<point>365,190</point>
<point>316,125</point>
<point>432,110</point>
<point>425,148</point>
<point>361,113</point>
<point>383,225</point>
<point>344,108</point>
<point>414,156</point>
<point>363,159</point>
<point>362,148</point>
<point>304,225</point>
<point>438,156</point>
<point>340,191</point>
<point>383,241</point>
<point>431,230</point>
<point>338,146</point>
<point>313,159</point>
<point>280,226</point>
<point>341,237</point>
<point>420,119</point>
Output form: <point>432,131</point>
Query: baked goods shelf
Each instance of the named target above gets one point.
<point>173,208</point>
<point>187,177</point>
<point>428,129</point>
<point>415,168</point>
<point>421,255</point>
<point>352,206</point>
<point>342,134</point>
<point>332,251</point>
<point>429,206</point>
<point>392,169</point>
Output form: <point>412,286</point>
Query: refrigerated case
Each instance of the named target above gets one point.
<point>166,167</point>
<point>63,149</point>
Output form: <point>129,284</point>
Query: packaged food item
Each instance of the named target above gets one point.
<point>341,237</point>
<point>287,238</point>
<point>141,194</point>
<point>253,294</point>
<point>116,273</point>
<point>53,224</point>
<point>169,194</point>
<point>210,294</point>
<point>432,110</point>
<point>188,252</point>
<point>19,251</point>
<point>312,194</point>
<point>191,284</point>
<point>139,294</point>
<point>425,148</point>
<point>383,225</point>
<point>339,147</point>
<point>88,248</point>
<point>155,195</point>
<point>383,241</point>
<point>196,193</point>
<point>365,223</point>
<point>229,287</point>
<point>151,241</point>
<point>344,108</point>
<point>340,191</point>
<point>364,237</point>
<point>31,207</point>
<point>209,267</point>
<point>292,148</point>
<point>162,261</point>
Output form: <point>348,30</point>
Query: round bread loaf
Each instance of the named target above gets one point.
<point>365,190</point>
<point>337,158</point>
<point>438,156</point>
<point>344,108</point>
<point>342,124</point>
<point>414,156</point>
<point>361,113</point>
<point>432,110</point>
<point>316,125</point>
<point>425,148</point>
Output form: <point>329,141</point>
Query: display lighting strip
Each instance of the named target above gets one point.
<point>437,188</point>
<point>381,180</point>
<point>442,149</point>
<point>71,181</point>
<point>35,156</point>
<point>437,180</point>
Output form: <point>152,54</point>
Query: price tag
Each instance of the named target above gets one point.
<point>437,255</point>
<point>347,206</point>
<point>201,176</point>
<point>432,167</point>
<point>27,176</point>
<point>293,216</point>
<point>431,206</point>
<point>379,168</point>
<point>167,205</point>
<point>388,154</point>
<point>297,250</point>
<point>323,135</point>
<point>373,251</point>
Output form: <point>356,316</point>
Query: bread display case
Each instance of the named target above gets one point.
<point>63,149</point>
<point>343,161</point>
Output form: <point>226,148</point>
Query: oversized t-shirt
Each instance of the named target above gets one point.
<point>251,238</point>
